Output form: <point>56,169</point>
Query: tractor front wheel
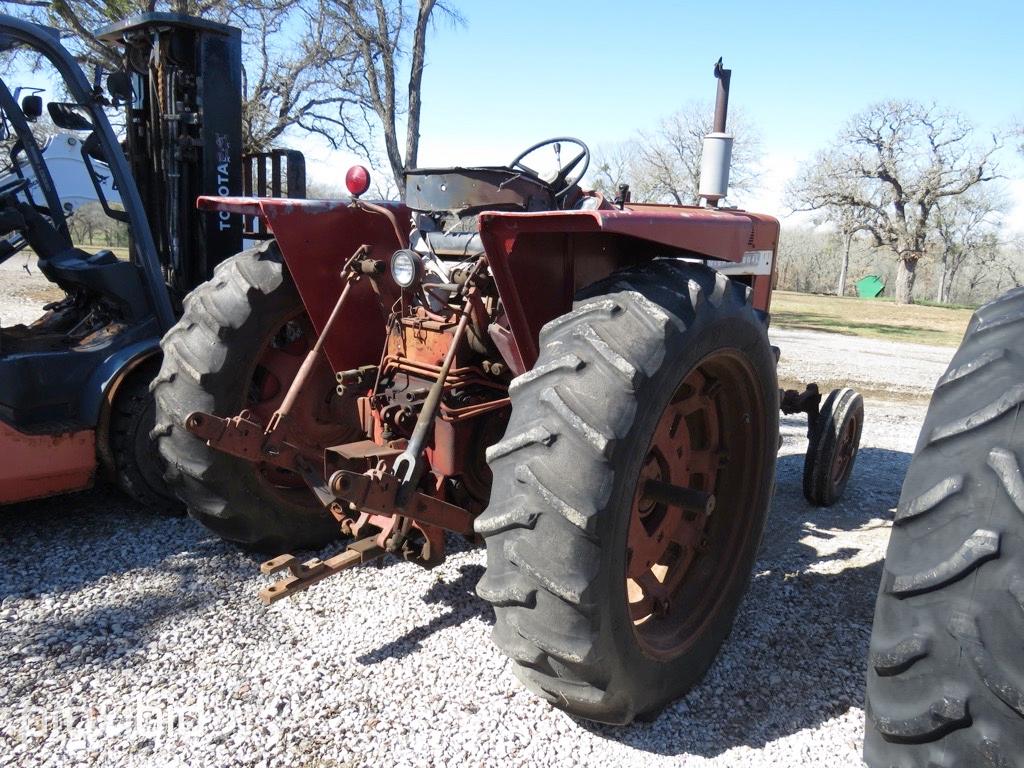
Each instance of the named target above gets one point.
<point>238,346</point>
<point>832,449</point>
<point>631,489</point>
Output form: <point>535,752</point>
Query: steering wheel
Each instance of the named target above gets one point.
<point>570,174</point>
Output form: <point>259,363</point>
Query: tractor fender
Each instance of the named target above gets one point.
<point>316,238</point>
<point>540,260</point>
<point>104,385</point>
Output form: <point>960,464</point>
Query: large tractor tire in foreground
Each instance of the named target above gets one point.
<point>611,598</point>
<point>238,345</point>
<point>945,682</point>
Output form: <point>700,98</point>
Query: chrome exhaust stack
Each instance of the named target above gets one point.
<point>716,155</point>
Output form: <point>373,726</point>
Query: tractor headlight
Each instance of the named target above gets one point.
<point>405,267</point>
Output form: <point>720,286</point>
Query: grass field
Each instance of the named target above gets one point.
<point>871,318</point>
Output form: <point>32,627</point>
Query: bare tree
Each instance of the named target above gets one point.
<point>385,33</point>
<point>847,229</point>
<point>965,229</point>
<point>90,226</point>
<point>803,259</point>
<point>618,164</point>
<point>894,162</point>
<point>298,68</point>
<point>848,223</point>
<point>383,188</point>
<point>666,160</point>
<point>1009,260</point>
<point>320,190</point>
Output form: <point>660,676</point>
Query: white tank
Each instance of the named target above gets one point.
<point>62,155</point>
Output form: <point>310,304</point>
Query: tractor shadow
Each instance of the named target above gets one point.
<point>80,553</point>
<point>68,572</point>
<point>62,543</point>
<point>797,653</point>
<point>459,595</point>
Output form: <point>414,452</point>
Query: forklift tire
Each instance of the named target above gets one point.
<point>138,466</point>
<point>832,449</point>
<point>945,679</point>
<point>646,360</point>
<point>208,361</point>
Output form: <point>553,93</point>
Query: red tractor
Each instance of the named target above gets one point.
<point>584,383</point>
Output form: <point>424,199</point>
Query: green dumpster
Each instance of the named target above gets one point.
<point>870,287</point>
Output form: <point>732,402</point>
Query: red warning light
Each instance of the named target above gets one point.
<point>357,180</point>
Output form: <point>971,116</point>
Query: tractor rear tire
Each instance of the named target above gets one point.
<point>567,499</point>
<point>208,363</point>
<point>945,680</point>
<point>138,468</point>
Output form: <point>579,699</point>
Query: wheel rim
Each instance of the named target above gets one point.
<point>277,363</point>
<point>846,448</point>
<point>680,562</point>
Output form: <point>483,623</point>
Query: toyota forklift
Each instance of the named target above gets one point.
<point>74,400</point>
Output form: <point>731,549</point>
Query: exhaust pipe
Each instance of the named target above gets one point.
<point>716,155</point>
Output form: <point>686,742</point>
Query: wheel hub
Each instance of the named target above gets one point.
<point>846,449</point>
<point>688,519</point>
<point>313,417</point>
<point>664,538</point>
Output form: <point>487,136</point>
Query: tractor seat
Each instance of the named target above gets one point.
<point>77,259</point>
<point>467,191</point>
<point>101,272</point>
<point>99,259</point>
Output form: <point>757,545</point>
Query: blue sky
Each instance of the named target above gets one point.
<point>602,69</point>
<point>520,71</point>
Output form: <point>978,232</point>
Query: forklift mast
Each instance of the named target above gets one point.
<point>183,135</point>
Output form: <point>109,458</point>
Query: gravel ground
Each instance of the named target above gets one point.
<point>883,369</point>
<point>134,641</point>
<point>23,290</point>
